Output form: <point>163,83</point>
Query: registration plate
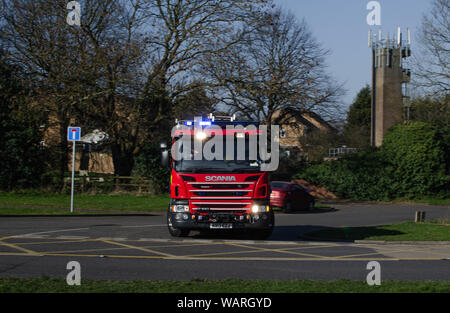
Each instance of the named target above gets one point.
<point>221,226</point>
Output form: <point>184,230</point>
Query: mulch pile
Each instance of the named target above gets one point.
<point>319,192</point>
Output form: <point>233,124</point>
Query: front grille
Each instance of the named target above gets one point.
<point>229,207</point>
<point>222,205</point>
<point>223,196</point>
<point>220,193</point>
<point>220,186</point>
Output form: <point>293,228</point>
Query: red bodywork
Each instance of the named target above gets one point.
<point>288,192</point>
<point>218,199</point>
<point>244,188</point>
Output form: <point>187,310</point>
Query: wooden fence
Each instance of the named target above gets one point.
<point>110,183</point>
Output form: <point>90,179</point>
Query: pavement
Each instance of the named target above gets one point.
<point>139,247</point>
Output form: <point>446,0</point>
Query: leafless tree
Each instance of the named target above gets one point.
<point>278,66</point>
<point>118,70</point>
<point>432,59</point>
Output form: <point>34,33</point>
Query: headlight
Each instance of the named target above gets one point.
<point>260,208</point>
<point>180,208</point>
<point>201,135</point>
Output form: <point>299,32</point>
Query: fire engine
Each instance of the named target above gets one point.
<point>232,193</point>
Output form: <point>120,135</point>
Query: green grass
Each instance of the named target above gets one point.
<point>29,203</point>
<point>407,231</point>
<point>433,201</point>
<point>51,285</point>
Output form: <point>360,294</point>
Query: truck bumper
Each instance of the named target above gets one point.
<point>256,221</point>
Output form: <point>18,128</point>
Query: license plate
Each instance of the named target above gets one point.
<point>220,226</point>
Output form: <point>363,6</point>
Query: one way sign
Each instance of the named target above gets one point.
<point>73,133</point>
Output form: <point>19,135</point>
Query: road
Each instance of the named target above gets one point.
<point>139,247</point>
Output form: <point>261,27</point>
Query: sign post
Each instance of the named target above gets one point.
<point>74,135</point>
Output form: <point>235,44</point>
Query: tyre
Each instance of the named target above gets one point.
<point>311,205</point>
<point>287,207</point>
<point>176,232</point>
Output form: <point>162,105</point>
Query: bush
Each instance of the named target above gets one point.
<point>19,134</point>
<point>416,152</point>
<point>147,163</point>
<point>360,176</point>
<point>410,164</point>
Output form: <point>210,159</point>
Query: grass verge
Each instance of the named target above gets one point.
<point>434,201</point>
<point>407,231</point>
<point>15,203</point>
<point>52,285</point>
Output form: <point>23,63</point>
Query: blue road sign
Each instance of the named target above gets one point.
<point>73,133</point>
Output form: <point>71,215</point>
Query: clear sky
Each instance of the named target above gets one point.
<point>340,25</point>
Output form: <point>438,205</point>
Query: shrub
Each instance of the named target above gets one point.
<point>359,176</point>
<point>411,164</point>
<point>416,152</point>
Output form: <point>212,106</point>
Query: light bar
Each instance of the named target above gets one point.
<point>205,123</point>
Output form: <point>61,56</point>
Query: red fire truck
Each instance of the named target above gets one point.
<point>229,194</point>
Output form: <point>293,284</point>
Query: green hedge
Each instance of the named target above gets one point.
<point>412,163</point>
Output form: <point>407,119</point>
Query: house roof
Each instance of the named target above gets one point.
<point>305,118</point>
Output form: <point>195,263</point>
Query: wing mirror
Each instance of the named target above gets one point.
<point>164,154</point>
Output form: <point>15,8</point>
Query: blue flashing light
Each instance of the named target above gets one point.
<point>188,123</point>
<point>205,123</point>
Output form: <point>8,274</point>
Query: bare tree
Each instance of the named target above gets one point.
<point>40,42</point>
<point>433,56</point>
<point>278,66</point>
<point>119,69</point>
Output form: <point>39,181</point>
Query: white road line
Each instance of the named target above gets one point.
<point>150,225</point>
<point>72,237</point>
<point>112,238</point>
<point>52,231</point>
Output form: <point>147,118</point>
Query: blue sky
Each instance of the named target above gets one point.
<point>340,25</point>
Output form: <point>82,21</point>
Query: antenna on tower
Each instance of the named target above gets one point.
<point>399,36</point>
<point>370,38</point>
<point>409,36</point>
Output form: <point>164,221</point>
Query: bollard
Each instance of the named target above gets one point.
<point>422,216</point>
<point>417,217</point>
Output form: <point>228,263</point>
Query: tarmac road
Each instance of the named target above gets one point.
<point>139,247</point>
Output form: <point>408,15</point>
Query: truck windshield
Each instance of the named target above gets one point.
<point>219,166</point>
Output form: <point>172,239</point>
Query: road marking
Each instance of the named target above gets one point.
<point>277,250</point>
<point>125,248</point>
<point>253,250</point>
<point>72,237</point>
<point>150,225</point>
<point>139,248</point>
<point>20,254</point>
<point>10,245</point>
<point>54,242</point>
<point>51,231</point>
<point>111,239</point>
<point>224,258</point>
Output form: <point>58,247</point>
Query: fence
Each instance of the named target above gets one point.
<point>103,183</point>
<point>336,152</point>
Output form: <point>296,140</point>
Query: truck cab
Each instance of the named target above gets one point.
<point>229,193</point>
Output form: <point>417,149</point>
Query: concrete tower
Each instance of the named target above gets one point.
<point>390,96</point>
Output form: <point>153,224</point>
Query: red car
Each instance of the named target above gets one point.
<point>290,196</point>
